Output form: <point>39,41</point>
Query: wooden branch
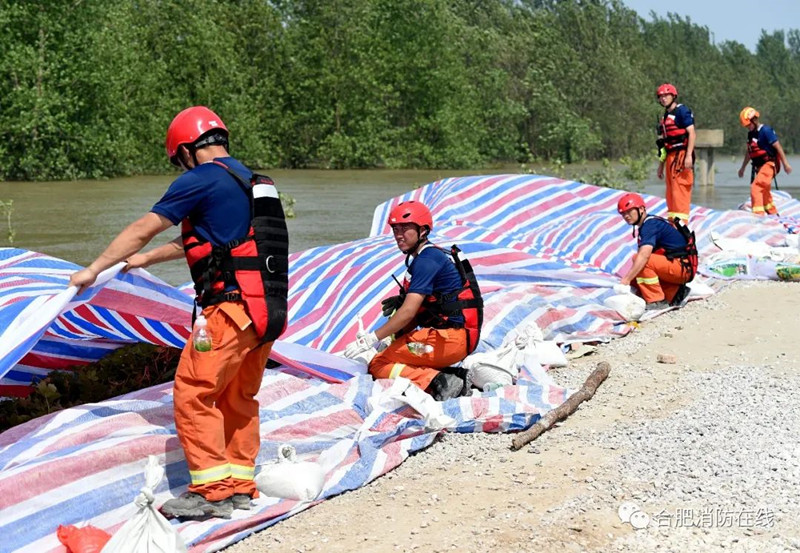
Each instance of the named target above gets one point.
<point>565,409</point>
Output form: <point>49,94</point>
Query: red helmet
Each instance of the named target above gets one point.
<point>629,201</point>
<point>666,88</point>
<point>190,125</point>
<point>411,212</point>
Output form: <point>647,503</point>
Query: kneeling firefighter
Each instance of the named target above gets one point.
<point>435,320</point>
<point>666,258</point>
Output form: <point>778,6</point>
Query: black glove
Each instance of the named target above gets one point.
<point>392,304</point>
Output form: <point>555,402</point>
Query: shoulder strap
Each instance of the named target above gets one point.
<point>246,186</point>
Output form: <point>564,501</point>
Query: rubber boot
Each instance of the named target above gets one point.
<point>445,386</point>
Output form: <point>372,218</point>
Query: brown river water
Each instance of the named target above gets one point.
<point>75,220</point>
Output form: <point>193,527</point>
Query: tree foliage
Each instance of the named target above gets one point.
<point>92,84</point>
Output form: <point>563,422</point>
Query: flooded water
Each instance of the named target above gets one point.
<point>76,220</point>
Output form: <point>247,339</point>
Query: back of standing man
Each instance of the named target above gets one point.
<point>676,136</point>
<point>240,279</point>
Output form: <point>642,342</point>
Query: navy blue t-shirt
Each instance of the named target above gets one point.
<point>659,233</point>
<point>683,116</point>
<point>216,205</point>
<point>434,271</point>
<point>766,138</point>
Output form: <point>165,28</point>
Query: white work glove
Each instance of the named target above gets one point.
<point>364,341</point>
<point>622,289</point>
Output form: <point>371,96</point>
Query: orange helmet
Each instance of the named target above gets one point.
<point>666,88</point>
<point>411,212</point>
<point>189,126</point>
<point>629,201</point>
<point>746,115</point>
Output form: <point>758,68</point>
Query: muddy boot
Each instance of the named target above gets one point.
<point>680,295</point>
<point>194,505</point>
<point>241,501</point>
<point>446,386</point>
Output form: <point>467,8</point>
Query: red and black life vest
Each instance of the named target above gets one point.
<point>673,136</point>
<point>688,254</point>
<point>437,309</point>
<point>253,268</point>
<point>758,155</point>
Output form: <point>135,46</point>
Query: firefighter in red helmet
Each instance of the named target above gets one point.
<point>216,413</point>
<point>666,256</point>
<point>436,318</point>
<point>676,139</point>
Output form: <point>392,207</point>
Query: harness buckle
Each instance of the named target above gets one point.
<point>233,295</point>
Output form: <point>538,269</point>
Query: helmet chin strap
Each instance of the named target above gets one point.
<point>638,220</point>
<point>421,240</point>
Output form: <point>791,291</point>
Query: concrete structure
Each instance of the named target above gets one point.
<point>707,140</point>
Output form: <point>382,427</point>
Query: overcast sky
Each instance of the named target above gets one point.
<point>739,20</point>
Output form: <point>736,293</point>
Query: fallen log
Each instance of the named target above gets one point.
<point>565,409</point>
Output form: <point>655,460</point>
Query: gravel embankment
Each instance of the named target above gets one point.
<point>707,449</point>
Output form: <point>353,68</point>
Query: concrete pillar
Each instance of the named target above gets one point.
<point>705,142</point>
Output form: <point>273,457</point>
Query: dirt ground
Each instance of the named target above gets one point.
<point>472,493</point>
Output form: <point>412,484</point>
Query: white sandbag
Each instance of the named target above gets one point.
<point>524,350</point>
<point>499,367</point>
<point>488,377</point>
<point>548,353</point>
<point>699,289</point>
<point>629,306</point>
<point>785,254</point>
<point>289,478</point>
<point>740,246</point>
<point>532,345</point>
<point>147,531</point>
<point>622,289</point>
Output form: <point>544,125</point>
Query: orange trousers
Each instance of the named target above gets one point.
<point>679,185</point>
<point>216,413</point>
<point>761,190</point>
<point>660,278</point>
<point>449,347</point>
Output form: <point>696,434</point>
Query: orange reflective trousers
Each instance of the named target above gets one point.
<point>216,413</point>
<point>449,347</point>
<point>679,185</point>
<point>660,278</point>
<point>761,190</point>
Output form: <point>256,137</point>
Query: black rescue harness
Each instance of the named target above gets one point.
<point>253,268</point>
<point>438,310</point>
<point>688,254</point>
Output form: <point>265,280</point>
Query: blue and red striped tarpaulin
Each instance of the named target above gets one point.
<point>545,250</point>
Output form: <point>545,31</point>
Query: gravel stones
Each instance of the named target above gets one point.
<point>707,449</point>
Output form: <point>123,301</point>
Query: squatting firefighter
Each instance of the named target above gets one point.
<point>666,258</point>
<point>218,202</point>
<point>676,136</point>
<point>765,153</point>
<point>436,319</point>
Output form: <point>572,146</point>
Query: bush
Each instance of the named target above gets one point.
<point>127,369</point>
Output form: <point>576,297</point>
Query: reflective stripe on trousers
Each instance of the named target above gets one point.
<point>761,190</point>
<point>660,278</point>
<point>216,413</point>
<point>449,347</point>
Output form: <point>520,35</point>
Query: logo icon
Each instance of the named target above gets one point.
<point>630,512</point>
